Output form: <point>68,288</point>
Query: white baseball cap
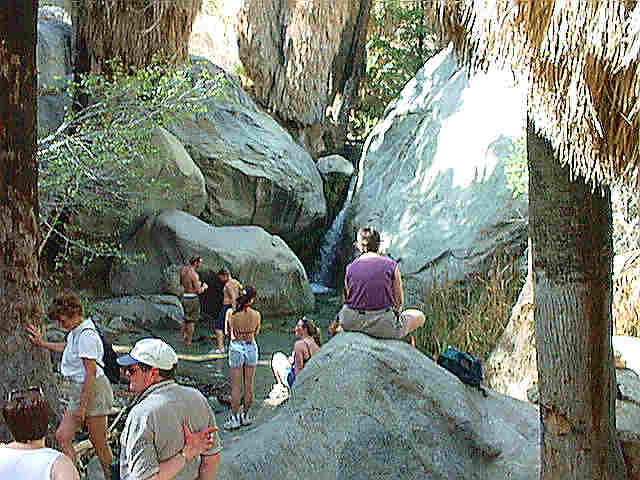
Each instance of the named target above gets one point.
<point>151,351</point>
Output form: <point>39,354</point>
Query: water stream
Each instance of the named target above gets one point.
<point>323,278</point>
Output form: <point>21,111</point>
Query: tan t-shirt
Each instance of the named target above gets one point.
<point>153,430</point>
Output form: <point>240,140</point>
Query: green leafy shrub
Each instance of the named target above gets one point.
<point>87,166</point>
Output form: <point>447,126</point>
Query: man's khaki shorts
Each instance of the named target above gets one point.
<point>191,306</point>
<point>100,400</point>
<point>376,323</point>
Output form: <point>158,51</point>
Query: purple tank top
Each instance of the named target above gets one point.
<point>370,282</point>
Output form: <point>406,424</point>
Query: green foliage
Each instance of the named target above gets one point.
<point>516,168</point>
<point>400,41</point>
<point>98,165</point>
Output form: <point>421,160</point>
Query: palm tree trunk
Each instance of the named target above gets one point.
<point>20,303</point>
<point>570,228</point>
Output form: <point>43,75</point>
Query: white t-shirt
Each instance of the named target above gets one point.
<point>82,342</point>
<point>27,464</point>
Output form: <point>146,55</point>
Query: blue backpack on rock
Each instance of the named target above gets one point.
<point>463,365</point>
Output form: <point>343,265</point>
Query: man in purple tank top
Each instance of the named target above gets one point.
<point>373,294</point>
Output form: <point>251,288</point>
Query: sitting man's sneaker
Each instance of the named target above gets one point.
<point>234,422</point>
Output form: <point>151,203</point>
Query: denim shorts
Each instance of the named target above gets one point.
<point>243,354</point>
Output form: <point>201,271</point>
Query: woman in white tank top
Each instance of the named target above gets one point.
<point>27,415</point>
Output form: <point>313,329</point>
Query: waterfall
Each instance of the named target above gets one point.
<point>323,279</point>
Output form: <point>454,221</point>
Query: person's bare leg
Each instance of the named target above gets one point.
<point>415,319</point>
<point>97,427</point>
<point>188,333</point>
<point>249,376</point>
<point>220,339</point>
<point>65,432</point>
<point>236,389</point>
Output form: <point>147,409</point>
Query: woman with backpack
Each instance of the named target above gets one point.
<point>86,390</point>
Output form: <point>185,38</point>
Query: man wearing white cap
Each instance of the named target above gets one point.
<point>157,440</point>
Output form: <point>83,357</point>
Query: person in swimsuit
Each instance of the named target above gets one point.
<point>244,325</point>
<point>285,369</point>
<point>27,414</point>
<point>230,292</point>
<point>190,301</point>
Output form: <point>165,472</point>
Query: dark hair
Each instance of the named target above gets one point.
<point>194,260</point>
<point>27,414</point>
<point>312,329</point>
<point>243,300</point>
<point>168,374</point>
<point>223,271</point>
<point>368,239</point>
<point>67,304</point>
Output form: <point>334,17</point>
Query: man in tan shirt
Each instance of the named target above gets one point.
<point>190,301</point>
<point>230,291</point>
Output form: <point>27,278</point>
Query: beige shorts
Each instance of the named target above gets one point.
<point>100,400</point>
<point>191,306</point>
<point>376,323</point>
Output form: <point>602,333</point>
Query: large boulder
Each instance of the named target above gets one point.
<point>336,172</point>
<point>369,408</point>
<point>298,57</point>
<point>149,311</point>
<point>432,176</point>
<point>169,179</point>
<point>512,367</point>
<point>255,173</point>
<point>254,257</point>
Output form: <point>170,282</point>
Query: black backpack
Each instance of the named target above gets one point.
<point>110,359</point>
<point>463,365</point>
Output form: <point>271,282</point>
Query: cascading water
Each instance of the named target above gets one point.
<point>323,279</point>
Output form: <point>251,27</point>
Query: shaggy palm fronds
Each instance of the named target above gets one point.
<point>581,58</point>
<point>135,30</point>
<point>626,296</point>
<point>472,315</point>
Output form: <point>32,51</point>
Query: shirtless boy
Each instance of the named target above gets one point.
<point>230,291</point>
<point>190,301</point>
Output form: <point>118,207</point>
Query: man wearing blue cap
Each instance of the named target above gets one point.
<point>157,439</point>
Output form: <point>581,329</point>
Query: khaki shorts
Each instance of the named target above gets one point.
<point>191,306</point>
<point>100,400</point>
<point>376,323</point>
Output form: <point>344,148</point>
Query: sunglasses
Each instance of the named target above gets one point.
<point>133,369</point>
<point>22,393</point>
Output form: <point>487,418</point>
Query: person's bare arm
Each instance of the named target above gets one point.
<point>36,338</point>
<point>228,324</point>
<point>398,293</point>
<point>195,444</point>
<point>64,469</point>
<point>209,467</point>
<point>259,323</point>
<point>345,292</point>
<point>299,358</point>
